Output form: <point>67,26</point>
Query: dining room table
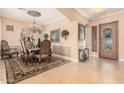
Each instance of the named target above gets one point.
<point>34,50</point>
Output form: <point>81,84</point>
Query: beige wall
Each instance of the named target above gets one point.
<point>72,39</point>
<point>13,36</point>
<point>0,28</point>
<point>115,17</point>
<point>0,31</point>
<point>61,50</point>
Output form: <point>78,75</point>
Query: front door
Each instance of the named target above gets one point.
<point>108,40</point>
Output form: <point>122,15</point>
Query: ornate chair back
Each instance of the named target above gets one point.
<point>22,46</point>
<point>28,45</point>
<point>45,47</point>
<point>25,53</point>
<point>4,46</point>
<point>6,50</point>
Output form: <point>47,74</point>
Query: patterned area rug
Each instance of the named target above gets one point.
<point>16,70</point>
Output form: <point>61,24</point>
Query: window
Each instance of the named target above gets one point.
<point>94,38</point>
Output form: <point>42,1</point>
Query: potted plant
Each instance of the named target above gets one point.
<point>64,33</point>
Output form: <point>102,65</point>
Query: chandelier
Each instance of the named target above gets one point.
<point>34,28</point>
<point>99,10</point>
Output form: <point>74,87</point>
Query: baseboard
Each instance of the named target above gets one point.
<point>64,57</point>
<point>120,59</point>
<point>94,56</point>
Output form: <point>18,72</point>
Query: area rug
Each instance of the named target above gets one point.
<point>16,70</point>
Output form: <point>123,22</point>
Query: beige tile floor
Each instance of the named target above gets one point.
<point>93,71</point>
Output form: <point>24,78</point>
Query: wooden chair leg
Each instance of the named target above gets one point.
<point>17,54</point>
<point>36,60</point>
<point>23,59</point>
<point>26,60</point>
<point>10,55</point>
<point>2,56</point>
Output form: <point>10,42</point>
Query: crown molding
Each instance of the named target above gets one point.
<point>102,16</point>
<point>82,13</point>
<point>30,22</point>
<point>107,15</point>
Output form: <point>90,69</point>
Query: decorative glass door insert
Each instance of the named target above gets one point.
<point>108,39</point>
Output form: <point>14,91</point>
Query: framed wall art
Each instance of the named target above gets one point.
<point>9,28</point>
<point>55,36</point>
<point>81,32</point>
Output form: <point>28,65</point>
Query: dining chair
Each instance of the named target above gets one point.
<point>45,50</point>
<point>26,56</point>
<point>6,50</point>
<point>23,51</point>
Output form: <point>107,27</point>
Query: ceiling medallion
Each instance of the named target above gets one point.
<point>34,13</point>
<point>35,27</point>
<point>23,9</point>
